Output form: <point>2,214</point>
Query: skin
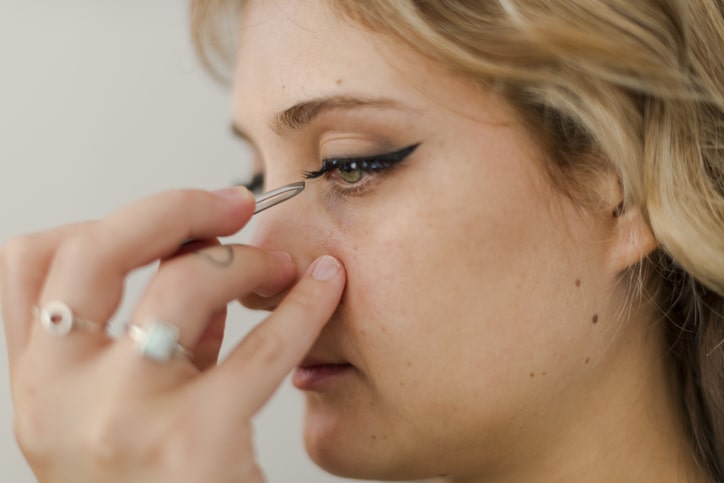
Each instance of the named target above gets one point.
<point>88,408</point>
<point>479,307</point>
<point>483,314</point>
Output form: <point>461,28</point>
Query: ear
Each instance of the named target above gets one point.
<point>631,239</point>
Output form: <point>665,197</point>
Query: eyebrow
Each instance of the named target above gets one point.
<point>302,114</point>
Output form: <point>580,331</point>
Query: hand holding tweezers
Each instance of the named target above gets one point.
<point>269,199</point>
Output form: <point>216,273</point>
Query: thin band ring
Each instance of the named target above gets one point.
<point>58,319</point>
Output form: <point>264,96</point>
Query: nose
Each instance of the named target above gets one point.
<point>294,226</point>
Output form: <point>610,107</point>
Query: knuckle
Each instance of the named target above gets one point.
<point>79,249</point>
<point>16,250</point>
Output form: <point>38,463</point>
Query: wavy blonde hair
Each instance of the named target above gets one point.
<point>630,87</point>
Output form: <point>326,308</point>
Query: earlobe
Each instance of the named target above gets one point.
<point>631,241</point>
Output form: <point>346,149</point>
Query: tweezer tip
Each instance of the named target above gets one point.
<point>278,195</point>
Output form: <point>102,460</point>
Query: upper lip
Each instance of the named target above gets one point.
<point>311,361</point>
<point>329,348</point>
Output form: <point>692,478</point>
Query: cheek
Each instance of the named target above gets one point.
<point>385,281</point>
<point>439,297</point>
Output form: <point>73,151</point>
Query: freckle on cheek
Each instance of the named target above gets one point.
<point>594,319</point>
<point>532,374</point>
<point>578,282</point>
<point>587,360</point>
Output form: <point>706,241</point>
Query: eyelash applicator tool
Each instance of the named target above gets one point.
<point>269,199</point>
<point>276,196</point>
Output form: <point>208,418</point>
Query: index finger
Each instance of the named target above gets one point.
<point>254,370</point>
<point>156,226</point>
<point>88,271</point>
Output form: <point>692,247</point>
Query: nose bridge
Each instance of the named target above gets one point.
<point>291,226</point>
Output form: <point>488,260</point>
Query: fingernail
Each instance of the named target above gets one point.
<point>281,255</point>
<point>234,193</point>
<point>325,268</point>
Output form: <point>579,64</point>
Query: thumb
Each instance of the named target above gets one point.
<point>256,367</point>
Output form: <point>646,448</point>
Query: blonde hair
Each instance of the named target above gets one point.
<point>629,87</point>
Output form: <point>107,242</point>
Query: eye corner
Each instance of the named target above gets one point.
<point>255,185</point>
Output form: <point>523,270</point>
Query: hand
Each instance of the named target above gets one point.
<point>89,408</point>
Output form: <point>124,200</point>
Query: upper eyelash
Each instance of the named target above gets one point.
<point>364,163</point>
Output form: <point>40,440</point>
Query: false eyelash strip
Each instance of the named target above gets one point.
<point>364,163</point>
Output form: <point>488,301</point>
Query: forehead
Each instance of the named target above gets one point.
<point>291,51</point>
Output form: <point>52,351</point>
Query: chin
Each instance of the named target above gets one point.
<point>343,441</point>
<point>333,441</point>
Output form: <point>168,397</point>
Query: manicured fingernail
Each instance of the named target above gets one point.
<point>281,255</point>
<point>325,268</point>
<point>234,193</point>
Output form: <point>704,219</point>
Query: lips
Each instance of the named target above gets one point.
<point>318,374</point>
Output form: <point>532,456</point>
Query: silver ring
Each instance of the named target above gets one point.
<point>58,319</point>
<point>157,341</point>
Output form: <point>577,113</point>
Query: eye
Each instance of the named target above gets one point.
<point>352,171</point>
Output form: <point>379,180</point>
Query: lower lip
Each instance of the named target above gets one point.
<point>315,378</point>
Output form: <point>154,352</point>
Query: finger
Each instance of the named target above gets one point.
<point>24,263</point>
<point>253,371</point>
<point>191,246</point>
<point>189,290</point>
<point>207,348</point>
<point>89,270</point>
<point>264,300</point>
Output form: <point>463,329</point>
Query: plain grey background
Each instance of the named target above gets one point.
<point>103,102</point>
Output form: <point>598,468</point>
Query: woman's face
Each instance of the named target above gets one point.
<point>478,296</point>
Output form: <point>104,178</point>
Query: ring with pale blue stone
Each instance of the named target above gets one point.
<point>58,319</point>
<point>157,340</point>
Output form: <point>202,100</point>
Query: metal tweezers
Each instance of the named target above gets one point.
<point>276,196</point>
<point>269,199</point>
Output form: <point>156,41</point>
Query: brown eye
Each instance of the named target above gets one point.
<point>351,176</point>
